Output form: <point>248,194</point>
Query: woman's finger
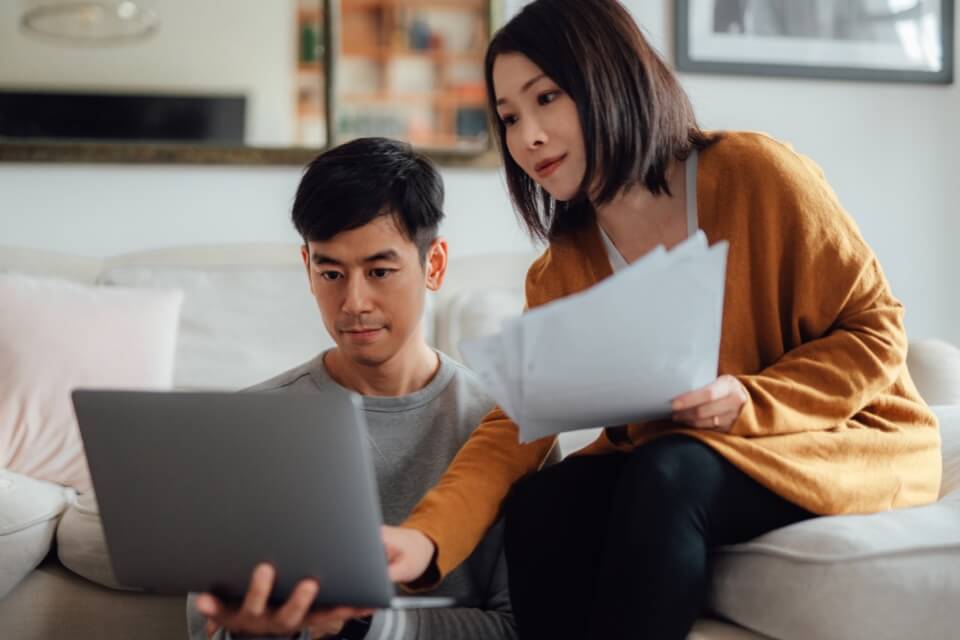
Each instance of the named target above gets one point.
<point>707,411</point>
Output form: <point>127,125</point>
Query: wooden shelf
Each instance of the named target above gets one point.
<point>438,55</point>
<point>445,98</point>
<point>457,5</point>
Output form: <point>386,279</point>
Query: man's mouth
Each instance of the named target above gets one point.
<point>362,336</point>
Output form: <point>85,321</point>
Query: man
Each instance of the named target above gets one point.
<point>368,212</point>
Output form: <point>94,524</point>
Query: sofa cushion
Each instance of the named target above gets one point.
<point>894,574</point>
<point>239,325</point>
<point>56,336</point>
<point>81,544</point>
<point>53,603</point>
<point>29,510</point>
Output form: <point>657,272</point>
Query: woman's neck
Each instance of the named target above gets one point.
<point>636,220</point>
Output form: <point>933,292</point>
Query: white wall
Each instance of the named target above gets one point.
<point>887,149</point>
<point>188,53</point>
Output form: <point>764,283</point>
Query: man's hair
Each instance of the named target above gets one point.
<point>351,185</point>
<point>634,114</point>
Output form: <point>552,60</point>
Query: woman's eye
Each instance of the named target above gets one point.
<point>331,275</point>
<point>548,97</point>
<point>508,120</point>
<point>380,274</point>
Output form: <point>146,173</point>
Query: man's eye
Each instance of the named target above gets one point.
<point>380,274</point>
<point>331,275</point>
<point>548,97</point>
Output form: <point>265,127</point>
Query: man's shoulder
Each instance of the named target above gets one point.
<point>466,386</point>
<point>292,379</point>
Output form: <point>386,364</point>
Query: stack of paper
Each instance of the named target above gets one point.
<point>616,353</point>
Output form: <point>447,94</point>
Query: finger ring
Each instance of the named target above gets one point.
<point>716,422</point>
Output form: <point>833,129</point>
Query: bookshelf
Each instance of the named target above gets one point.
<point>411,70</point>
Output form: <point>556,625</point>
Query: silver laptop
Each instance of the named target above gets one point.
<point>196,489</point>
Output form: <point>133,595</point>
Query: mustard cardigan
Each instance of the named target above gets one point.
<point>833,422</point>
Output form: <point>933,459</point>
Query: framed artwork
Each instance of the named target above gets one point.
<point>874,40</point>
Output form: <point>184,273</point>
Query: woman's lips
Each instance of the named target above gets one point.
<point>548,167</point>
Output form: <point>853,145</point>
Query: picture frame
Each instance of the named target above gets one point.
<point>860,40</point>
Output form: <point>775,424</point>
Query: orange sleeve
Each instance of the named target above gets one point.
<point>457,512</point>
<point>466,501</point>
<point>834,294</point>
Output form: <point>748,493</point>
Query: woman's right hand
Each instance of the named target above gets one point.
<point>409,553</point>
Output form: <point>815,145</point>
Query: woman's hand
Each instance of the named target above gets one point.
<point>254,617</point>
<point>715,406</point>
<point>409,553</point>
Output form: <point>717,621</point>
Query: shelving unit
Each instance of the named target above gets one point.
<point>310,116</point>
<point>411,69</point>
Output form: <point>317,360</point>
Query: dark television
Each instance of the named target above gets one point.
<point>217,120</point>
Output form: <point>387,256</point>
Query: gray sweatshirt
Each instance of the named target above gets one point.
<point>413,439</point>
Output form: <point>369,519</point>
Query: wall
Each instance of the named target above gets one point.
<point>887,149</point>
<point>246,48</point>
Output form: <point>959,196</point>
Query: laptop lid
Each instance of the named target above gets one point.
<point>195,489</point>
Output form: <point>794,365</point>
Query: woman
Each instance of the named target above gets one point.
<point>813,411</point>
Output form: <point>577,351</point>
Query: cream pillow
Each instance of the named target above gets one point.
<point>56,336</point>
<point>29,510</point>
<point>935,368</point>
<point>239,326</point>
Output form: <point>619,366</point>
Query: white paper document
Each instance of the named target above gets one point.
<point>616,353</point>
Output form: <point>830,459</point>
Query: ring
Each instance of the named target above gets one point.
<point>716,422</point>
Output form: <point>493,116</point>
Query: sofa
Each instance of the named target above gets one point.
<point>243,313</point>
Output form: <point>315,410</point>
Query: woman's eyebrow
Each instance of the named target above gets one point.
<point>526,86</point>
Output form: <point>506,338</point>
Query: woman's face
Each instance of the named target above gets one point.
<point>542,126</point>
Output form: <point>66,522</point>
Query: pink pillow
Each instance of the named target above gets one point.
<point>56,336</point>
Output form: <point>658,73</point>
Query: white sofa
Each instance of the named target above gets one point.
<point>247,315</point>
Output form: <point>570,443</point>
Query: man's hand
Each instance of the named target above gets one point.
<point>253,617</point>
<point>409,553</point>
<point>715,406</point>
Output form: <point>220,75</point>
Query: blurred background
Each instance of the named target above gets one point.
<point>254,73</point>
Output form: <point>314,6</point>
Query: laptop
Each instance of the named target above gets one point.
<point>196,489</point>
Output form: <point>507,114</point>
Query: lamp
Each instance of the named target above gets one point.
<point>89,22</point>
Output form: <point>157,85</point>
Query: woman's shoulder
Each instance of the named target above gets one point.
<point>548,275</point>
<point>754,155</point>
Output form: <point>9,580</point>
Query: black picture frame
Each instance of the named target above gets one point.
<point>701,45</point>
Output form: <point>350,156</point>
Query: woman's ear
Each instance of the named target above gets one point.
<point>436,266</point>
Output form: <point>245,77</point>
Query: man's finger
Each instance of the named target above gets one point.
<point>261,583</point>
<point>294,610</point>
<point>208,605</point>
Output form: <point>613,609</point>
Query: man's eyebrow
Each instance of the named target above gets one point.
<point>319,258</point>
<point>386,254</point>
<point>389,254</point>
<point>526,86</point>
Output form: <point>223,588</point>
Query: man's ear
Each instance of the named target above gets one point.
<point>305,256</point>
<point>436,266</point>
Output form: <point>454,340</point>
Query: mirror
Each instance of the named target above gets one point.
<point>245,81</point>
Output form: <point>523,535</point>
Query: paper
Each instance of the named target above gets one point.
<point>616,353</point>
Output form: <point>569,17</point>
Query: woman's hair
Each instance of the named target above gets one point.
<point>634,115</point>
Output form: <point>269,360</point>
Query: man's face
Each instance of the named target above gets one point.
<point>370,286</point>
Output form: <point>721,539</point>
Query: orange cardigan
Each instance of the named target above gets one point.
<point>833,422</point>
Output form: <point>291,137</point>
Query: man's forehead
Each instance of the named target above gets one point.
<point>381,238</point>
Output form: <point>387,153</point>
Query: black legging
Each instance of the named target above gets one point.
<point>617,546</point>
